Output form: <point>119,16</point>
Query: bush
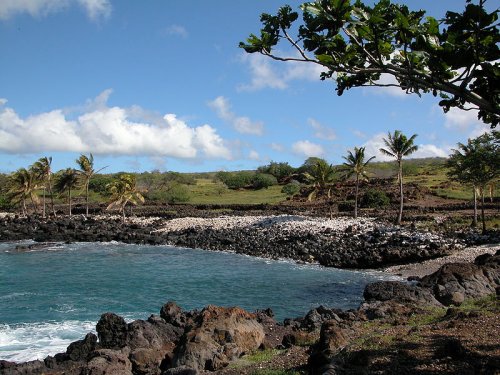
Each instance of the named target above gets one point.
<point>279,170</point>
<point>375,199</point>
<point>263,181</point>
<point>236,180</point>
<point>173,193</point>
<point>291,189</point>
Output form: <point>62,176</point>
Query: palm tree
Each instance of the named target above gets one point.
<point>67,181</point>
<point>43,173</point>
<point>398,146</point>
<point>320,175</point>
<point>86,172</point>
<point>356,165</point>
<point>124,191</point>
<point>22,185</point>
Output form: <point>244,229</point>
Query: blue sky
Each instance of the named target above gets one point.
<point>161,84</point>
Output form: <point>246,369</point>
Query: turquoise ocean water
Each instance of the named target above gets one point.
<point>51,297</point>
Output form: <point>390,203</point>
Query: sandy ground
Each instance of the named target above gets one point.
<point>427,267</point>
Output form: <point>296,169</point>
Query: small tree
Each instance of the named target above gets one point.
<point>42,170</point>
<point>67,181</point>
<point>398,146</point>
<point>477,164</point>
<point>355,164</point>
<point>124,191</point>
<point>86,172</point>
<point>22,185</point>
<point>321,175</point>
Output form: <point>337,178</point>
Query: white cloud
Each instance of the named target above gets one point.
<point>359,134</point>
<point>465,122</point>
<point>322,131</point>
<point>265,73</point>
<point>307,149</point>
<point>96,8</point>
<point>277,147</point>
<point>254,155</point>
<point>108,130</point>
<point>387,79</point>
<point>373,146</point>
<point>242,124</point>
<point>176,30</point>
<point>40,8</point>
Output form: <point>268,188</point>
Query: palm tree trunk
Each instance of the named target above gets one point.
<point>123,213</point>
<point>43,212</point>
<point>87,199</point>
<point>482,211</point>
<point>401,198</point>
<point>52,199</point>
<point>69,201</point>
<point>474,220</point>
<point>24,206</point>
<point>356,197</point>
<point>35,207</point>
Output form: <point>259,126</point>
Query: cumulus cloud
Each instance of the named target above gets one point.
<point>307,149</point>
<point>265,73</point>
<point>465,122</point>
<point>95,9</point>
<point>241,124</point>
<point>374,144</point>
<point>254,155</point>
<point>176,30</point>
<point>387,79</point>
<point>277,147</point>
<point>108,130</point>
<point>322,131</point>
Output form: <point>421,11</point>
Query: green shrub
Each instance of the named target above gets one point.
<point>263,181</point>
<point>375,199</point>
<point>173,193</point>
<point>291,189</point>
<point>236,180</point>
<point>279,170</point>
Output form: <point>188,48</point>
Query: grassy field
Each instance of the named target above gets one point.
<point>206,191</point>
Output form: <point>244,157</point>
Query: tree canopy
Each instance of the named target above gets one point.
<point>455,57</point>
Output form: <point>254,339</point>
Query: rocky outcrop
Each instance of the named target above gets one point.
<point>455,282</point>
<point>218,336</point>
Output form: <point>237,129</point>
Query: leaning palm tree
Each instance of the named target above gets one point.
<point>86,164</point>
<point>398,146</point>
<point>67,181</point>
<point>22,185</point>
<point>355,164</point>
<point>41,169</point>
<point>124,191</point>
<point>321,175</point>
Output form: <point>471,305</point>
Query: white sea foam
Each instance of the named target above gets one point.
<point>31,341</point>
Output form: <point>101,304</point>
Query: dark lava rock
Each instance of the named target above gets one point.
<point>396,291</point>
<point>112,331</point>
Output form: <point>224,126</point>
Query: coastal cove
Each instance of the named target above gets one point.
<point>53,295</point>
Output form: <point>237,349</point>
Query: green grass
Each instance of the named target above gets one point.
<point>209,192</point>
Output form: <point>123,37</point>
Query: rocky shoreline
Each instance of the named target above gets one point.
<point>196,342</point>
<point>340,242</point>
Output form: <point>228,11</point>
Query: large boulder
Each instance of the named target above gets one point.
<point>454,282</point>
<point>333,337</point>
<point>396,291</point>
<point>218,336</point>
<point>152,344</point>
<point>112,331</point>
<point>108,361</point>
